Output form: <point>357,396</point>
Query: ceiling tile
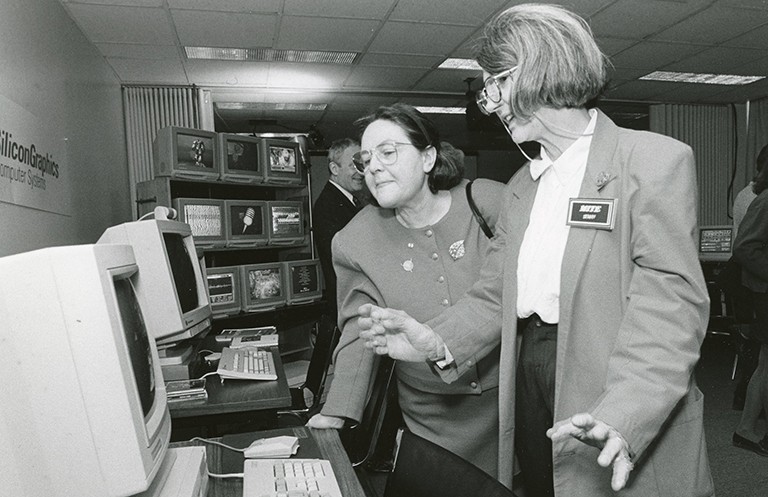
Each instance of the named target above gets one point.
<point>166,72</point>
<point>635,90</point>
<point>611,46</point>
<point>396,60</point>
<point>690,93</point>
<point>135,51</point>
<point>315,33</point>
<point>639,19</point>
<point>227,73</point>
<point>446,80</point>
<point>438,11</point>
<point>419,38</point>
<point>287,75</point>
<point>718,60</point>
<point>128,3</point>
<point>651,55</point>
<point>260,6</point>
<point>339,8</point>
<point>383,77</point>
<point>711,26</point>
<point>756,38</point>
<point>224,29</point>
<point>123,24</point>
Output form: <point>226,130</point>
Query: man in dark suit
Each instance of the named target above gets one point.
<point>335,207</point>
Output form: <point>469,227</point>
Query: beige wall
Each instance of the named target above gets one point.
<point>52,72</point>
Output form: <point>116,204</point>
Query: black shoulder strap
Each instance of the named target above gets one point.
<point>476,212</point>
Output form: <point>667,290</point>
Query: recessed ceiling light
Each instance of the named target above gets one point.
<point>270,106</point>
<point>691,77</point>
<point>455,63</point>
<point>442,110</point>
<point>270,55</point>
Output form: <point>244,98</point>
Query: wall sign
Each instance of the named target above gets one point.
<point>33,168</point>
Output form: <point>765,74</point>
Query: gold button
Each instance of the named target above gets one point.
<point>428,232</point>
<point>473,385</point>
<point>469,363</point>
<point>435,256</point>
<point>441,279</point>
<point>445,302</point>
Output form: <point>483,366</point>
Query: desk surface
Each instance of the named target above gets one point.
<point>232,396</point>
<point>330,448</point>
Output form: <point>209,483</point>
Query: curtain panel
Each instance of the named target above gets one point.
<point>148,109</point>
<point>710,130</point>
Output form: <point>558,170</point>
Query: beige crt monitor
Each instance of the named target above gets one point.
<point>83,404</point>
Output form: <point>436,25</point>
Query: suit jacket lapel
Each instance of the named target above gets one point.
<point>601,170</point>
<point>519,214</point>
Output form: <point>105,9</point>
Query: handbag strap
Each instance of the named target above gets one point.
<point>476,212</point>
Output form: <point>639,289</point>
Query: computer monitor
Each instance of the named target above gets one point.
<point>171,287</point>
<point>185,153</point>
<point>263,286</point>
<point>224,289</point>
<point>715,242</point>
<point>286,222</point>
<point>246,223</point>
<point>206,219</point>
<point>84,399</point>
<point>282,161</point>
<point>239,158</point>
<point>305,281</point>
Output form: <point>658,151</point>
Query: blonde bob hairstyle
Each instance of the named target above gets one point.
<point>559,64</point>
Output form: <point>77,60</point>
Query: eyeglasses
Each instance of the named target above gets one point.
<point>489,96</point>
<point>386,153</point>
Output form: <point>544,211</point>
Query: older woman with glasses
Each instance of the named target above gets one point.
<point>420,249</point>
<point>594,266</point>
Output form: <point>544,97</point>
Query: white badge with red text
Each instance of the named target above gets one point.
<point>595,213</point>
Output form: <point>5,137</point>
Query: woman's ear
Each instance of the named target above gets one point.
<point>429,156</point>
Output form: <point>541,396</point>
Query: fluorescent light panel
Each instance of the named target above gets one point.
<point>456,63</point>
<point>442,110</point>
<point>270,106</point>
<point>270,55</point>
<point>703,78</point>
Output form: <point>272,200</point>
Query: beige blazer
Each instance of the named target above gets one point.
<point>633,314</point>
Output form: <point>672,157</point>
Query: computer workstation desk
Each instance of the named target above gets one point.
<point>248,403</point>
<point>330,448</point>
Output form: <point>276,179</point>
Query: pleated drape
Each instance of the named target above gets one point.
<point>757,134</point>
<point>710,130</point>
<point>148,109</point>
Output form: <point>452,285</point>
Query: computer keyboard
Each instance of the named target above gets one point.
<point>246,364</point>
<point>289,477</point>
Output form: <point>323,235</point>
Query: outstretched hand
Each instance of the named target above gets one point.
<point>396,334</point>
<point>614,450</point>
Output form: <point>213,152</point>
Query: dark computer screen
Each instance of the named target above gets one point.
<point>183,272</point>
<point>266,283</point>
<point>221,288</point>
<point>137,340</point>
<point>246,219</point>
<point>304,279</point>
<point>286,220</point>
<point>242,154</point>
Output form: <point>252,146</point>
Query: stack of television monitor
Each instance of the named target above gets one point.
<point>264,286</point>
<point>194,154</point>
<point>242,223</point>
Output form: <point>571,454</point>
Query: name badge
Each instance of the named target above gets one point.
<point>595,213</point>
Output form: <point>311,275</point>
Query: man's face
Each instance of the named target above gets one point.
<point>345,173</point>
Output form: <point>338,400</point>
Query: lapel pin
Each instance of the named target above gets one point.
<point>603,179</point>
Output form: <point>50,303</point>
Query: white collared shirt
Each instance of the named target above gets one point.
<point>541,253</point>
<point>345,192</point>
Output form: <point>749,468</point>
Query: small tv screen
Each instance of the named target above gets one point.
<point>263,286</point>
<point>715,242</point>
<point>286,220</point>
<point>239,158</point>
<point>205,218</point>
<point>282,162</point>
<point>186,153</point>
<point>224,289</point>
<point>304,281</point>
<point>246,223</point>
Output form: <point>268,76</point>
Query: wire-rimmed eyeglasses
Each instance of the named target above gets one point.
<point>386,153</point>
<point>489,96</point>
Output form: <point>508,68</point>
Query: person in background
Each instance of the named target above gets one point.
<point>751,252</point>
<point>740,297</point>
<point>419,248</point>
<point>594,268</point>
<point>335,206</point>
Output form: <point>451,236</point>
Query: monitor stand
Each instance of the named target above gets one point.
<point>183,473</point>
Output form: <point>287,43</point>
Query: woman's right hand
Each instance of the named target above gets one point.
<point>325,422</point>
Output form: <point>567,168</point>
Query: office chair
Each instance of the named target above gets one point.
<point>305,399</point>
<point>424,469</point>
